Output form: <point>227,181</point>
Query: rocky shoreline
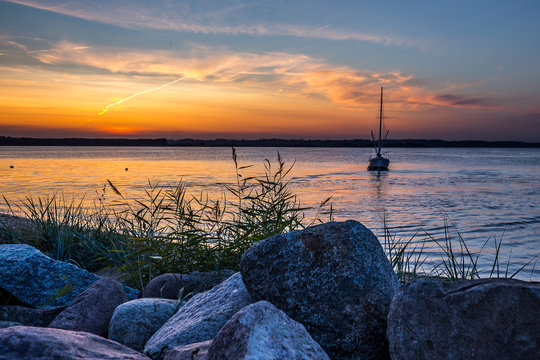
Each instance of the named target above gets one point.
<point>326,292</point>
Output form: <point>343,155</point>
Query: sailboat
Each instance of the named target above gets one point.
<point>379,162</point>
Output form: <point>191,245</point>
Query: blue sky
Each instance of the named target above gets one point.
<point>454,70</point>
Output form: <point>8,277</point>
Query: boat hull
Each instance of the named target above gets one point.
<point>378,163</point>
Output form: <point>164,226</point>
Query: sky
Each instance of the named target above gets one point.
<point>454,70</point>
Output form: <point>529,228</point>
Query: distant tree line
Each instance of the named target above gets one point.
<point>24,141</point>
<point>422,143</point>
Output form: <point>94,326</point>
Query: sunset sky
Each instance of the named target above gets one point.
<point>253,69</point>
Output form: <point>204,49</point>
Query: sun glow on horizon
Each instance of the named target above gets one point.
<point>210,77</point>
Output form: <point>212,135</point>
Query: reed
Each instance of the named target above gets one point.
<point>60,227</point>
<point>454,259</point>
<point>170,230</point>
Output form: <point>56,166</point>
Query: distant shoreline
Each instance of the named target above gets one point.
<point>162,142</point>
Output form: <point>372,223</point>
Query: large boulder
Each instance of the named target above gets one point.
<point>92,310</point>
<point>332,278</point>
<point>39,281</point>
<point>197,351</point>
<point>29,316</point>
<point>200,318</point>
<point>24,342</point>
<point>168,285</point>
<point>261,331</point>
<point>475,319</point>
<point>134,322</point>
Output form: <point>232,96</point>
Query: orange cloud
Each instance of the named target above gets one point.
<point>222,92</point>
<point>293,74</point>
<point>283,73</point>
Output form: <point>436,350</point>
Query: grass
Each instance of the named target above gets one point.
<point>453,261</point>
<point>171,230</point>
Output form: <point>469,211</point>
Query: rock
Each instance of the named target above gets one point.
<point>332,278</point>
<point>6,324</point>
<point>112,273</point>
<point>36,279</point>
<point>25,342</point>
<point>29,316</point>
<point>134,322</point>
<point>475,319</point>
<point>200,318</point>
<point>261,331</point>
<point>92,310</point>
<point>197,351</point>
<point>168,285</point>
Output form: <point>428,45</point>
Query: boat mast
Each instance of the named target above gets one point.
<point>380,126</point>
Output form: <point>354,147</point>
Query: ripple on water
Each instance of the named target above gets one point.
<point>482,192</point>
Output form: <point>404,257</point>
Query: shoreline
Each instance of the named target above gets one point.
<point>273,142</point>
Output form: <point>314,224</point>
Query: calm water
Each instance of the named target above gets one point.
<point>483,192</point>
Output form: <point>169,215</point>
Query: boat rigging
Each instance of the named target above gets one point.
<point>379,162</point>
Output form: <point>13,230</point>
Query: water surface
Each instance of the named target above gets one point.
<point>482,192</point>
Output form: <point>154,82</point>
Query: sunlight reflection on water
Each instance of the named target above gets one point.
<point>484,192</point>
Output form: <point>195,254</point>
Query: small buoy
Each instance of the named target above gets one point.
<point>11,166</point>
<point>126,169</point>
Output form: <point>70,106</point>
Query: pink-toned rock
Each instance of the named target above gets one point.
<point>168,285</point>
<point>25,342</point>
<point>200,318</point>
<point>92,310</point>
<point>29,316</point>
<point>197,351</point>
<point>262,331</point>
<point>473,319</point>
<point>135,321</point>
<point>332,278</point>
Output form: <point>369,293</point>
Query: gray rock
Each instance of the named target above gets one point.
<point>24,342</point>
<point>200,318</point>
<point>332,278</point>
<point>475,319</point>
<point>134,322</point>
<point>29,316</point>
<point>168,285</point>
<point>36,279</point>
<point>261,331</point>
<point>92,310</point>
<point>6,324</point>
<point>197,351</point>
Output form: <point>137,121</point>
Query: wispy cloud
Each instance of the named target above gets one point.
<point>465,101</point>
<point>294,75</point>
<point>164,15</point>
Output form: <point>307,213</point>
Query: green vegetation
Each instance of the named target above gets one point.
<point>171,230</point>
<point>453,261</point>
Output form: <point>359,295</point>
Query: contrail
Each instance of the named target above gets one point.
<point>321,28</point>
<point>106,108</point>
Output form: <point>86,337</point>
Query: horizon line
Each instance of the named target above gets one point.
<point>164,141</point>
